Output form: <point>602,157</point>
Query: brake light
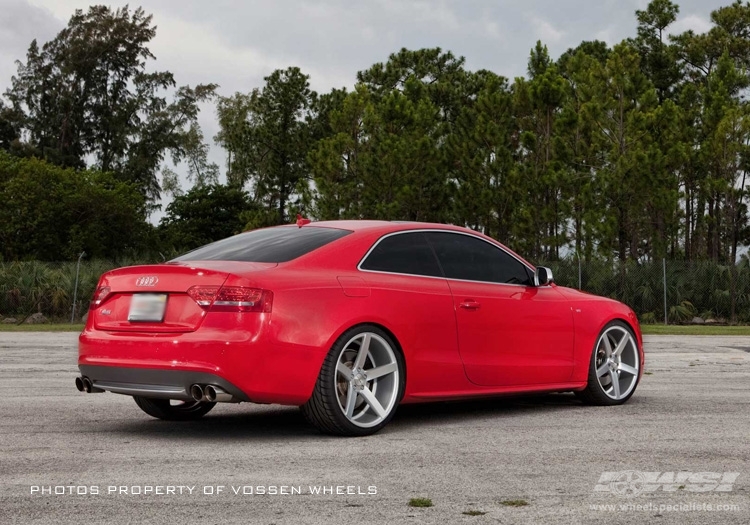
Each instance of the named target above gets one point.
<point>203,295</point>
<point>232,298</point>
<point>100,295</point>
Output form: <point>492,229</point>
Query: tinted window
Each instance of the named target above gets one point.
<point>472,259</point>
<point>403,253</point>
<point>272,245</point>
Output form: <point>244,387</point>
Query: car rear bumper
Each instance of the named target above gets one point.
<point>154,382</point>
<point>250,366</point>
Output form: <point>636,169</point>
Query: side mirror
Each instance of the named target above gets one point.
<point>543,276</point>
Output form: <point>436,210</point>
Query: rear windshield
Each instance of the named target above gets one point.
<point>272,245</point>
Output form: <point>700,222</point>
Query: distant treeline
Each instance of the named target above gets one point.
<point>632,153</point>
<point>705,289</point>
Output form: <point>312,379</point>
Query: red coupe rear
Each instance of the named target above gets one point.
<point>348,319</point>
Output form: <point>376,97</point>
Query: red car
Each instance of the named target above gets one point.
<point>348,319</point>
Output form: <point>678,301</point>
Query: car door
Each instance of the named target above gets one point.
<point>510,332</point>
<point>408,291</point>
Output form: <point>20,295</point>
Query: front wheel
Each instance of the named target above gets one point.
<point>169,410</point>
<point>360,384</point>
<point>614,367</point>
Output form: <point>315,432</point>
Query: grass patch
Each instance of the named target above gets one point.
<point>61,327</point>
<point>514,502</point>
<point>420,502</point>
<point>647,373</point>
<point>659,329</point>
<point>474,513</point>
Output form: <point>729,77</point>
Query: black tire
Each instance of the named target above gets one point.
<point>594,394</point>
<point>323,409</point>
<point>164,409</point>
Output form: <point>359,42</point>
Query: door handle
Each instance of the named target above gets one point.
<point>469,304</point>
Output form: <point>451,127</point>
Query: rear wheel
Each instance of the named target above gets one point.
<point>360,385</point>
<point>614,367</point>
<point>173,410</point>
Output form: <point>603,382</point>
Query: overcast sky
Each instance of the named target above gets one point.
<point>236,43</point>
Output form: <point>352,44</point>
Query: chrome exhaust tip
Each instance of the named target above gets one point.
<point>214,394</point>
<point>79,384</point>
<point>87,386</point>
<point>196,392</point>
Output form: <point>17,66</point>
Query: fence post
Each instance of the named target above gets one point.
<point>75,290</point>
<point>578,256</point>
<point>664,277</point>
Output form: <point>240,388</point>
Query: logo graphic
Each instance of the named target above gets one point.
<point>146,281</point>
<point>631,483</point>
<point>628,483</point>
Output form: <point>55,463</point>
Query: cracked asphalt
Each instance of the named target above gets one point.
<point>544,459</point>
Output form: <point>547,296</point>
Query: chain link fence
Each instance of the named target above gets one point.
<point>49,288</point>
<point>665,291</point>
<point>710,291</point>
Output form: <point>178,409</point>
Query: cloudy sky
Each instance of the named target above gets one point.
<point>236,43</point>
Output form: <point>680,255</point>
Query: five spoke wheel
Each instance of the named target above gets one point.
<point>617,362</point>
<point>360,385</point>
<point>615,367</point>
<point>367,379</point>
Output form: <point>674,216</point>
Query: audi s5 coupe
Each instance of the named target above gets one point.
<point>348,320</point>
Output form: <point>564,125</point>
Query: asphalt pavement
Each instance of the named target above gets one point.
<point>677,452</point>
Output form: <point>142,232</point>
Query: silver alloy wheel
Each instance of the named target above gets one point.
<point>367,379</point>
<point>617,362</point>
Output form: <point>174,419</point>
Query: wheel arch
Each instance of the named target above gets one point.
<point>625,321</point>
<point>628,323</point>
<point>631,321</point>
<point>591,325</point>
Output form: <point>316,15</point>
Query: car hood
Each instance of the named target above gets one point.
<point>579,295</point>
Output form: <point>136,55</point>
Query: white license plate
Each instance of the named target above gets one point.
<point>148,307</point>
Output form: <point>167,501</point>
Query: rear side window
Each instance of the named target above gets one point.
<point>271,245</point>
<point>472,259</point>
<point>403,253</point>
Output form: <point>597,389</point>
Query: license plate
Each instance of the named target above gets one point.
<point>148,307</point>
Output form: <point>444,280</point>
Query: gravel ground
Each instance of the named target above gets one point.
<point>691,414</point>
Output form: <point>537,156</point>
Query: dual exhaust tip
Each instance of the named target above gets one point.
<point>84,384</point>
<point>211,393</point>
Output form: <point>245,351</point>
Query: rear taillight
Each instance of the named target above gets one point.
<point>232,298</point>
<point>100,295</point>
<point>203,295</point>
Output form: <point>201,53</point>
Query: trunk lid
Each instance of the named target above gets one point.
<point>161,283</point>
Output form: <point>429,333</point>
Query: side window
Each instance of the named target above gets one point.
<point>472,259</point>
<point>403,253</point>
